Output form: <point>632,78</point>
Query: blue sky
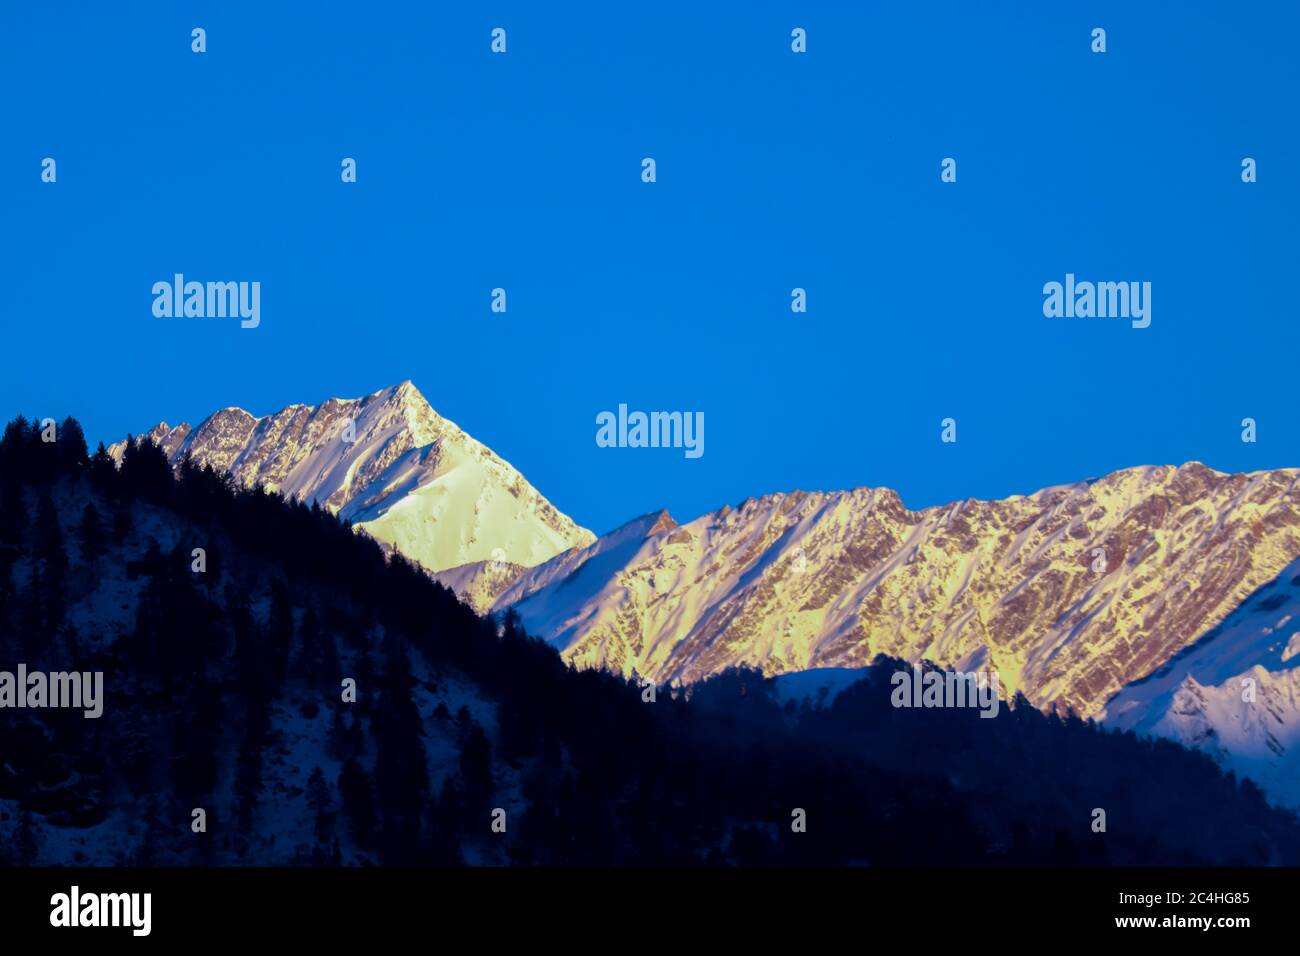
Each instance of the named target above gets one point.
<point>775,170</point>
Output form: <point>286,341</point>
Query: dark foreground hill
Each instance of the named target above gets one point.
<point>277,690</point>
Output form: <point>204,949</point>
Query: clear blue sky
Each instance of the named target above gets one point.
<point>775,170</point>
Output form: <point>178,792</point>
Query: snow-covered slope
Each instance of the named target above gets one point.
<point>1070,593</point>
<point>818,687</point>
<point>1235,693</point>
<point>393,467</point>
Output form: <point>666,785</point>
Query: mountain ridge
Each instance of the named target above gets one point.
<point>392,466</point>
<point>963,578</point>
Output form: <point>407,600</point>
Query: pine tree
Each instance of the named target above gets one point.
<point>280,624</point>
<point>13,447</point>
<point>151,837</point>
<point>90,531</point>
<point>195,769</point>
<point>319,799</point>
<point>8,598</point>
<point>248,771</point>
<point>401,776</point>
<point>13,511</point>
<point>27,842</point>
<point>146,473</point>
<point>53,556</point>
<point>358,803</point>
<point>476,767</point>
<point>71,447</point>
<point>320,665</point>
<point>123,523</point>
<point>103,470</point>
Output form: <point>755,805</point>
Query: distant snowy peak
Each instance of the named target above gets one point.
<point>1249,724</point>
<point>394,467</point>
<point>1234,692</point>
<point>480,583</point>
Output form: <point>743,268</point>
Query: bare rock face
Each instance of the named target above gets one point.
<point>480,584</point>
<point>391,465</point>
<point>1072,592</point>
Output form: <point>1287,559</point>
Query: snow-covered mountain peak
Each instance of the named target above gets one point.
<point>663,522</point>
<point>393,466</point>
<point>1233,691</point>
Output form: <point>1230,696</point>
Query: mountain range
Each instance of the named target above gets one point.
<point>302,698</point>
<point>1142,598</point>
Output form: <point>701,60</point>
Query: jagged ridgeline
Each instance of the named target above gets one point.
<point>277,689</point>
